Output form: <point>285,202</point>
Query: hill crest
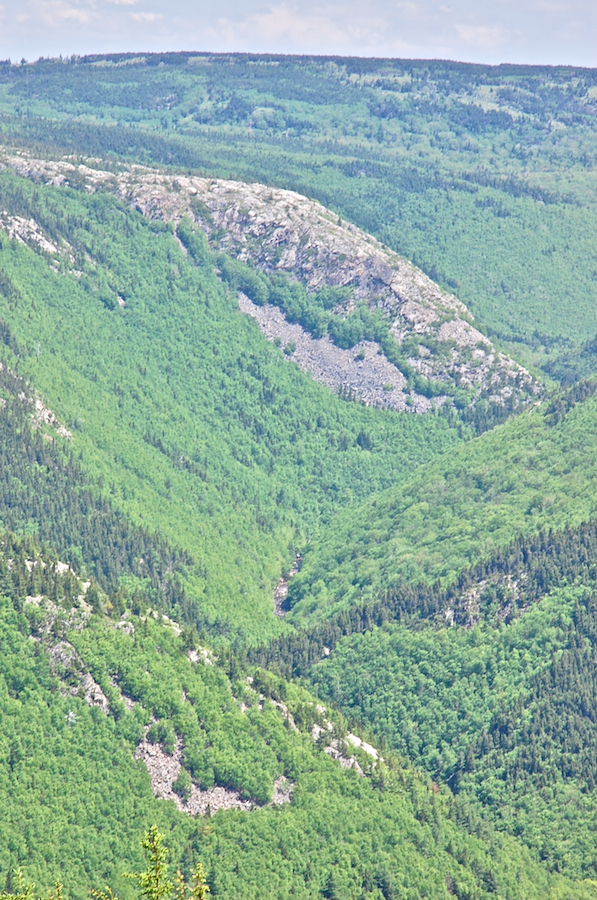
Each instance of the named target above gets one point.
<point>427,344</point>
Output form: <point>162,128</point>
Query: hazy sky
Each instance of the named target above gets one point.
<point>531,31</point>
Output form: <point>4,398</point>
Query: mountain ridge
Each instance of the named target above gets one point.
<point>282,232</point>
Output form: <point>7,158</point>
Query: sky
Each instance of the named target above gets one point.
<point>548,32</point>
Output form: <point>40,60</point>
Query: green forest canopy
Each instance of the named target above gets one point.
<point>198,465</point>
<point>67,769</point>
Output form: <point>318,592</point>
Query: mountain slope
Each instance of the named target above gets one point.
<point>45,491</point>
<point>488,684</point>
<point>501,704</point>
<point>482,175</point>
<point>79,691</point>
<point>282,232</point>
<point>535,471</point>
<point>169,300</point>
<point>360,299</point>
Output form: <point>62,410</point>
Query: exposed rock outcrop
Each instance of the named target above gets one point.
<point>164,769</point>
<point>26,231</point>
<point>282,231</point>
<point>281,589</point>
<point>361,372</point>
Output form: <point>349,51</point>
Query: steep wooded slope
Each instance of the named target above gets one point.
<point>488,684</point>
<point>80,690</point>
<point>359,300</point>
<point>537,470</point>
<point>484,177</point>
<point>503,712</point>
<point>45,491</point>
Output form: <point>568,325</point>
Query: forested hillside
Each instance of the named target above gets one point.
<point>488,684</point>
<point>183,415</point>
<point>536,471</point>
<point>80,690</point>
<point>297,500</point>
<point>369,325</point>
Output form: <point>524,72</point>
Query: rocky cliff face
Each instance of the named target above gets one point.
<point>281,231</point>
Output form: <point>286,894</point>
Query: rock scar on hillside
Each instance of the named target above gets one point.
<point>41,416</point>
<point>282,231</point>
<point>164,770</point>
<point>372,379</point>
<point>26,231</point>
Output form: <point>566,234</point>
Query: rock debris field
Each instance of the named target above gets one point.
<point>164,770</point>
<point>373,379</point>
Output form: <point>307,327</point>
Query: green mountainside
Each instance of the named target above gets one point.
<point>536,471</point>
<point>355,316</point>
<point>182,413</point>
<point>489,684</point>
<point>503,713</point>
<point>334,638</point>
<point>80,690</point>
